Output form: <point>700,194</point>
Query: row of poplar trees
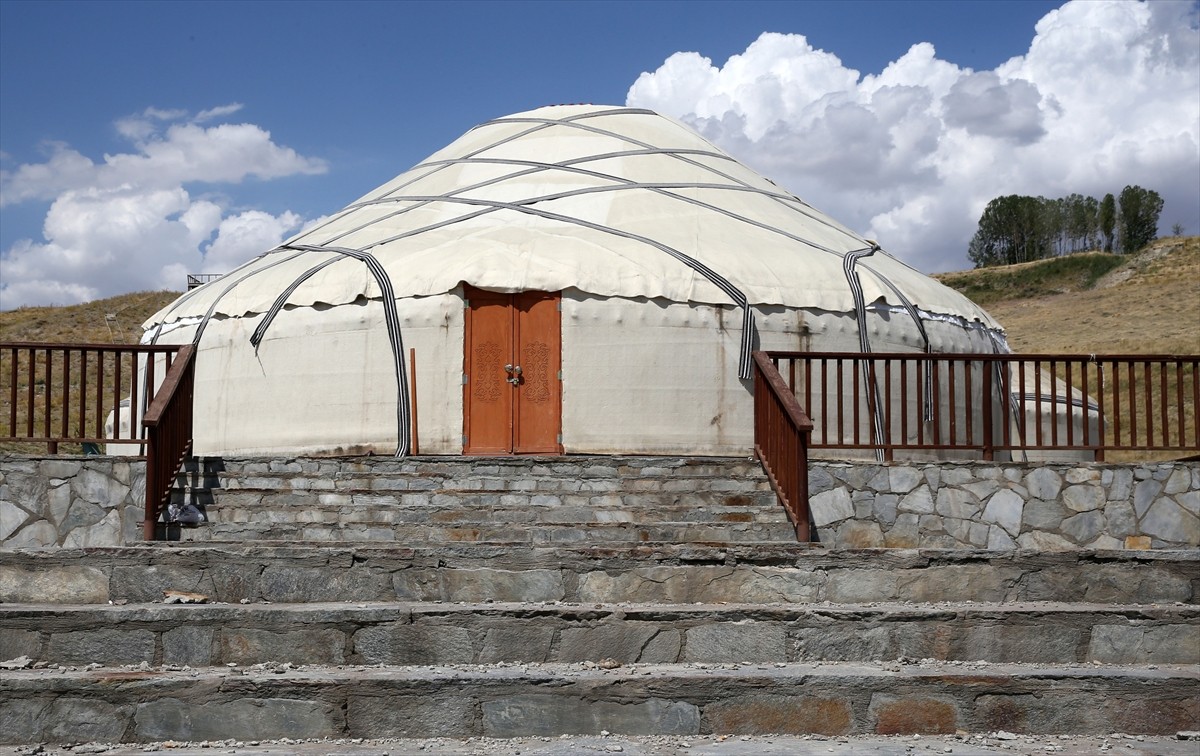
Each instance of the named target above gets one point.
<point>1016,229</point>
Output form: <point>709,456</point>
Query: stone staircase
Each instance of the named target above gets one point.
<point>498,500</point>
<point>504,598</point>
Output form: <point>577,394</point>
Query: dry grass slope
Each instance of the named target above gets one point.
<point>86,323</point>
<point>1146,303</point>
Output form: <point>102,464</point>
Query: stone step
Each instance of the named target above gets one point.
<point>599,474</point>
<point>201,635</point>
<point>131,704</point>
<point>371,527</point>
<point>645,573</point>
<point>681,507</point>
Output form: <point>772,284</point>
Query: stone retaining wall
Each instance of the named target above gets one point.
<point>71,501</point>
<point>1042,506</point>
<point>97,501</point>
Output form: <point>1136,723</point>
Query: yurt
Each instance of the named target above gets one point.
<point>573,279</point>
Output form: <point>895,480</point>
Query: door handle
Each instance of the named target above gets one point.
<point>514,374</point>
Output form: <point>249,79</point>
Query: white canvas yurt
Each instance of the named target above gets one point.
<point>574,279</point>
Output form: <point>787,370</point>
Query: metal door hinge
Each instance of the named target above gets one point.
<point>464,379</point>
<point>560,305</point>
<point>558,438</point>
<point>464,438</point>
<point>560,375</point>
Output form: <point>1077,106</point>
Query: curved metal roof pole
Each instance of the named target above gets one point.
<point>864,343</point>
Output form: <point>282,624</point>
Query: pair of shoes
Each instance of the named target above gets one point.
<point>185,514</point>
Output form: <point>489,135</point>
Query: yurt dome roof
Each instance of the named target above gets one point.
<point>611,201</point>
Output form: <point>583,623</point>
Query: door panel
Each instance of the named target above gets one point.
<point>518,409</point>
<point>536,423</point>
<point>487,395</point>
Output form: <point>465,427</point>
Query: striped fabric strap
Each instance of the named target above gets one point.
<point>391,317</point>
<point>864,341</point>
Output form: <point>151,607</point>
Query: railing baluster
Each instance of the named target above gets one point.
<point>920,387</point>
<point>855,369</point>
<point>1116,383</point>
<point>988,410</point>
<point>1196,402</point>
<point>824,402</point>
<point>1179,402</point>
<point>1147,384</point>
<point>12,393</point>
<point>951,364</point>
<point>48,391</point>
<point>29,377</point>
<point>887,409</point>
<point>935,371</point>
<point>1071,406</point>
<point>1054,403</point>
<point>1162,404</point>
<point>969,401</point>
<point>1037,402</point>
<point>66,394</point>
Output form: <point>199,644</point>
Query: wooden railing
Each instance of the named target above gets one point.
<point>781,433</point>
<point>93,395</point>
<point>168,423</point>
<point>1024,405</point>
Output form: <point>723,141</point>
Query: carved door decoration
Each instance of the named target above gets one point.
<point>512,403</point>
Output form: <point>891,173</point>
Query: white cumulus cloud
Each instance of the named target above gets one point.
<point>129,221</point>
<point>1108,94</point>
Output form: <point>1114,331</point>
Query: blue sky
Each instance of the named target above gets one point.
<point>336,98</point>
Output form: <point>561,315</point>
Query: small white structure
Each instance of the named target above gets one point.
<point>577,279</point>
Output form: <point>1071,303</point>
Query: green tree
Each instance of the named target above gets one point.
<point>1108,220</point>
<point>1138,217</point>
<point>1013,229</point>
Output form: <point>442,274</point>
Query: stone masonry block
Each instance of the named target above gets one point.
<point>736,642</point>
<point>542,714</point>
<point>66,719</point>
<point>831,506</point>
<point>411,717</point>
<point>793,715</point>
<point>309,646</point>
<point>1004,509</point>
<point>400,643</point>
<point>1131,644</point>
<point>522,642</point>
<point>65,585</point>
<point>626,642</point>
<point>241,719</point>
<point>909,715</point>
<point>109,647</point>
<point>188,644</point>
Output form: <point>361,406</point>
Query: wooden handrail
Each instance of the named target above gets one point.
<point>781,432</point>
<point>168,424</point>
<point>987,403</point>
<point>791,406</point>
<point>170,385</point>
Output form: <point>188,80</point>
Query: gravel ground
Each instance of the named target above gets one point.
<point>1184,744</point>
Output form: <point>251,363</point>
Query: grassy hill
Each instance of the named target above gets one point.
<point>1145,303</point>
<point>116,320</point>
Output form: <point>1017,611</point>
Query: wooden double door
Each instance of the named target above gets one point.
<point>512,395</point>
